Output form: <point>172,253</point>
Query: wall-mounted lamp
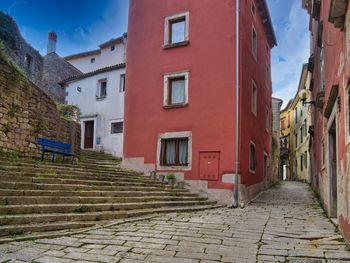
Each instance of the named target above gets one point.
<point>303,97</point>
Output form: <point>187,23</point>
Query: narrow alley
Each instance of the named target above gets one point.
<point>284,224</point>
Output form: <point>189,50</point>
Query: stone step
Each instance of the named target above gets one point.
<point>47,167</point>
<point>59,180</point>
<point>77,187</point>
<point>9,210</point>
<point>28,222</point>
<point>15,175</point>
<point>92,193</point>
<point>30,200</point>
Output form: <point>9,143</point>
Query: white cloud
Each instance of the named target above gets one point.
<point>293,47</point>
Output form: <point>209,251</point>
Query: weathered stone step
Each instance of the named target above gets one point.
<point>89,216</point>
<point>59,180</point>
<point>41,227</point>
<point>51,167</point>
<point>76,187</point>
<point>87,177</point>
<point>25,200</point>
<point>8,210</point>
<point>92,193</point>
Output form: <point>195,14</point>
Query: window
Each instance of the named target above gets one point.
<point>101,89</point>
<point>323,156</point>
<point>122,83</point>
<point>267,119</point>
<point>347,113</point>
<point>92,60</point>
<point>117,127</point>
<point>283,124</point>
<point>112,48</point>
<point>174,152</point>
<point>296,139</point>
<point>28,62</point>
<point>254,43</point>
<point>322,68</point>
<point>176,29</point>
<point>253,9</point>
<point>252,157</point>
<point>254,98</point>
<point>305,159</point>
<point>301,162</point>
<point>175,89</point>
<point>301,134</point>
<point>296,115</point>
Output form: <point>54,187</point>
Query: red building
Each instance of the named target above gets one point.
<point>330,64</point>
<point>180,95</point>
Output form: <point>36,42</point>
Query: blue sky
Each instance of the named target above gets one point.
<point>84,24</point>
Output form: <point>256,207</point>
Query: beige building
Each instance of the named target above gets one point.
<point>299,138</point>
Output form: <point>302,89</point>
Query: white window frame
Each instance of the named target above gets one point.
<point>166,78</point>
<point>323,153</point>
<point>98,89</point>
<point>168,19</point>
<point>256,161</point>
<point>251,9</point>
<point>120,83</point>
<point>254,99</point>
<point>171,135</point>
<point>267,120</point>
<point>255,52</point>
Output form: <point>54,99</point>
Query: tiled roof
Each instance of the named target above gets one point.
<point>92,73</point>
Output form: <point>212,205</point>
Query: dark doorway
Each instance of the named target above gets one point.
<point>89,135</point>
<point>332,155</point>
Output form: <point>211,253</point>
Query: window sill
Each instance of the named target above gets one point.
<point>100,98</point>
<point>180,105</point>
<point>178,44</point>
<point>175,168</point>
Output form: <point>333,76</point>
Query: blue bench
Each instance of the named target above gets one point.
<point>54,147</point>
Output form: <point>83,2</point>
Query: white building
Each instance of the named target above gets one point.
<point>99,94</point>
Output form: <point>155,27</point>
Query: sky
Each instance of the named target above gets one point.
<point>82,25</point>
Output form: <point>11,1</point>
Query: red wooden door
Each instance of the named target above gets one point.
<point>209,166</point>
<point>89,135</point>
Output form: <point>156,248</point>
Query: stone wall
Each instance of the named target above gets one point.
<point>46,72</point>
<point>27,112</point>
<point>55,70</point>
<point>19,50</point>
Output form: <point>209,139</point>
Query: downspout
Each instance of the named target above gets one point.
<point>235,202</point>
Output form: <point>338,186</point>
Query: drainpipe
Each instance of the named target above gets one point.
<point>235,202</point>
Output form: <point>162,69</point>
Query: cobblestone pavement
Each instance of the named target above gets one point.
<point>285,224</point>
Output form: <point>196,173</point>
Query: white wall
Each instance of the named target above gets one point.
<point>108,109</point>
<point>84,63</point>
<point>106,58</point>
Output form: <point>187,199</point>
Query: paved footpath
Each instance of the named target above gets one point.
<point>285,224</point>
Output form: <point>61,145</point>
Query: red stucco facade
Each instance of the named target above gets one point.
<point>209,115</point>
<point>332,105</point>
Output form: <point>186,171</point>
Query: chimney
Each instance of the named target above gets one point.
<point>51,44</point>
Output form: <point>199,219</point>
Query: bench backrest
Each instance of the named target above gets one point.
<point>52,144</point>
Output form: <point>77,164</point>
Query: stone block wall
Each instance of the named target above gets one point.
<point>27,112</point>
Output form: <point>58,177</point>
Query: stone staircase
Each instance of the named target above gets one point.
<point>43,196</point>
